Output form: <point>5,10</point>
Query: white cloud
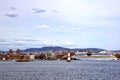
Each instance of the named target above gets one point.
<point>54,11</point>
<point>82,28</point>
<point>26,39</point>
<point>43,27</point>
<point>34,42</point>
<point>28,35</point>
<point>61,27</point>
<point>2,40</point>
<point>45,42</point>
<point>5,44</point>
<point>19,43</point>
<point>57,43</point>
<point>78,28</point>
<point>68,43</point>
<point>11,14</point>
<point>71,28</point>
<point>37,10</point>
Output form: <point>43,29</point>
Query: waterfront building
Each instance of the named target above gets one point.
<point>32,57</point>
<point>3,57</point>
<point>93,56</point>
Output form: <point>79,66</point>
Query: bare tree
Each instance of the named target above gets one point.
<point>18,51</point>
<point>11,55</point>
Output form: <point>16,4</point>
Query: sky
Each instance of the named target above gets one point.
<point>67,23</point>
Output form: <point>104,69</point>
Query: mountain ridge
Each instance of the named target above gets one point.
<point>58,48</point>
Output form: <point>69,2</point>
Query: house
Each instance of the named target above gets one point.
<point>32,57</point>
<point>3,57</point>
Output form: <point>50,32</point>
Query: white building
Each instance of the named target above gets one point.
<point>32,57</point>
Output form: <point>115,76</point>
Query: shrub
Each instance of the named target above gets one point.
<point>89,53</point>
<point>117,56</point>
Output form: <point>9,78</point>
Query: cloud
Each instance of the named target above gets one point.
<point>45,42</point>
<point>11,14</point>
<point>11,43</point>
<point>36,45</point>
<point>13,8</point>
<point>54,11</point>
<point>28,35</point>
<point>78,29</point>
<point>43,27</point>
<point>57,43</point>
<point>61,27</point>
<point>18,43</point>
<point>5,44</point>
<point>68,43</point>
<point>37,10</point>
<point>82,28</point>
<point>2,40</point>
<point>50,42</point>
<point>26,40</point>
<point>26,43</point>
<point>71,29</point>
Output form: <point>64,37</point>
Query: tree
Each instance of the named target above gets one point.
<point>42,56</point>
<point>17,56</point>
<point>18,51</point>
<point>37,57</point>
<point>11,56</point>
<point>117,56</point>
<point>82,50</point>
<point>89,53</point>
<point>10,51</point>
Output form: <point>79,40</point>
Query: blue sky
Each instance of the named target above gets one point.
<point>68,23</point>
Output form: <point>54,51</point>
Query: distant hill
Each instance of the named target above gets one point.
<point>2,52</point>
<point>89,49</point>
<point>116,50</point>
<point>46,49</point>
<point>57,49</point>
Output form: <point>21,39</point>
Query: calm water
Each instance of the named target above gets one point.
<point>60,70</point>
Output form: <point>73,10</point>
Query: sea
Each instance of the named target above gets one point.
<point>60,70</point>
